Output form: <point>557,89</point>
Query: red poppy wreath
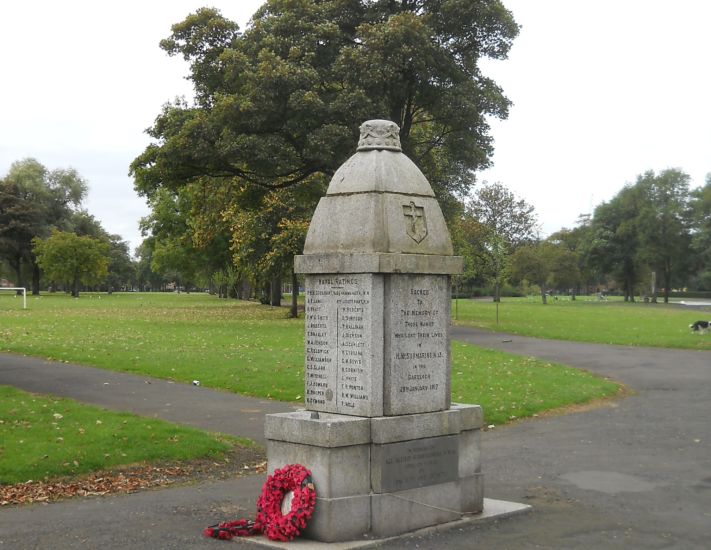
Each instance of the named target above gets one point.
<point>293,478</point>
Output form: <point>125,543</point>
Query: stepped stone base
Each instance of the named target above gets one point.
<point>383,476</point>
<point>494,510</point>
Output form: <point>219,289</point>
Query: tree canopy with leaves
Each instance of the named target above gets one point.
<point>664,222</point>
<point>284,99</point>
<point>701,232</point>
<point>494,224</point>
<point>70,259</point>
<point>277,107</point>
<point>33,201</point>
<point>645,228</point>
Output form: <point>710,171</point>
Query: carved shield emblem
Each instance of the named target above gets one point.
<point>415,222</point>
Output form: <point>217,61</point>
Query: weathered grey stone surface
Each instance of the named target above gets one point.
<point>472,416</point>
<point>380,171</point>
<point>339,519</point>
<point>416,372</point>
<point>328,430</point>
<point>376,222</point>
<point>344,343</point>
<point>403,511</point>
<point>390,429</point>
<point>472,494</point>
<point>414,463</point>
<point>469,453</point>
<point>493,511</point>
<point>378,262</point>
<point>378,201</point>
<point>337,471</point>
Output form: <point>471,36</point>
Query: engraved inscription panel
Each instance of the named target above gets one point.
<point>339,333</point>
<point>418,463</point>
<point>417,371</point>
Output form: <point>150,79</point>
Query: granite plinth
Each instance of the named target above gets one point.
<point>377,344</point>
<point>493,510</point>
<point>385,475</point>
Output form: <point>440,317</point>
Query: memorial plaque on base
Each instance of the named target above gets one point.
<point>415,463</point>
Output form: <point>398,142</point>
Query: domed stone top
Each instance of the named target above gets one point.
<point>379,165</point>
<point>380,208</point>
<point>379,134</point>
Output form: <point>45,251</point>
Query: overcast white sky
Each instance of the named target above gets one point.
<point>602,89</point>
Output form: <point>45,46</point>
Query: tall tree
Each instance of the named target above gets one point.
<point>279,105</point>
<point>20,221</point>
<point>49,198</point>
<point>576,241</point>
<point>701,232</point>
<point>495,224</point>
<point>664,221</point>
<point>615,241</point>
<point>529,263</point>
<point>72,260</point>
<point>282,101</point>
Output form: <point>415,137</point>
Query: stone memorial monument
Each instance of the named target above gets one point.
<point>388,450</point>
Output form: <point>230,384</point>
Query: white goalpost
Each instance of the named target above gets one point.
<point>15,289</point>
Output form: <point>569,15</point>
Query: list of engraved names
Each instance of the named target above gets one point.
<point>338,310</point>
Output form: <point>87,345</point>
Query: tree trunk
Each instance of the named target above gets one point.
<point>667,286</point>
<point>544,298</point>
<point>628,293</point>
<point>35,279</point>
<point>294,295</point>
<point>497,292</point>
<point>275,292</point>
<point>75,287</point>
<point>16,264</point>
<point>654,287</point>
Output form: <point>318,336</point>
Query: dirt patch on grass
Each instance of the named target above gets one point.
<point>238,462</point>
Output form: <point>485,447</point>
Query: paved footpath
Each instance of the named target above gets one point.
<point>636,474</point>
<point>196,406</point>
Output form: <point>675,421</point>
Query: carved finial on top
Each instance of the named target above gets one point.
<point>379,134</point>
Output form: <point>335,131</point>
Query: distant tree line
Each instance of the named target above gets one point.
<point>47,240</point>
<point>233,176</point>
<point>653,237</point>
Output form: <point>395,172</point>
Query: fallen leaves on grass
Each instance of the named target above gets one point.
<point>126,480</point>
<point>93,485</point>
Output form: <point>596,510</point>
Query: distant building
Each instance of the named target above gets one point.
<point>4,283</point>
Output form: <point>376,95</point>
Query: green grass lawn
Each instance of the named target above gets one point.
<point>510,387</point>
<point>251,349</point>
<point>242,347</point>
<point>44,437</point>
<point>588,320</point>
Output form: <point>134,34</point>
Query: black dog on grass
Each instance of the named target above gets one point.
<point>700,326</point>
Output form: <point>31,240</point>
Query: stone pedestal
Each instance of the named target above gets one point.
<point>388,451</point>
<point>386,475</point>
